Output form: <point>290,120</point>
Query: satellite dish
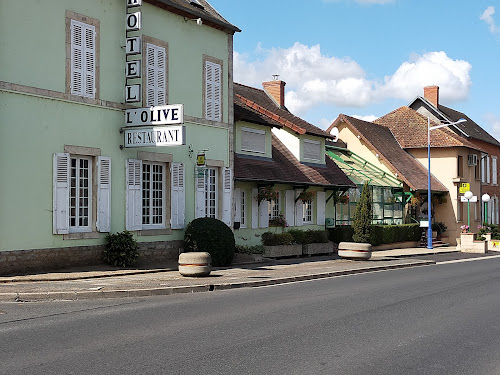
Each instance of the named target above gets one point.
<point>335,134</point>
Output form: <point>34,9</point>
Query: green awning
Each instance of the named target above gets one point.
<point>360,170</point>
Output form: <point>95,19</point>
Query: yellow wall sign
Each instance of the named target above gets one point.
<point>464,187</point>
<point>200,159</point>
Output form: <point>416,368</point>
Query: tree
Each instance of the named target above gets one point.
<point>363,216</point>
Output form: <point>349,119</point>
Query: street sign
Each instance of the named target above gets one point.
<point>464,187</point>
<point>472,200</point>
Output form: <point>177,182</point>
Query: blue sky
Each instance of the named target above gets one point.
<point>365,58</point>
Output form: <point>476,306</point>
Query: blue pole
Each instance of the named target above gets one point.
<point>429,213</point>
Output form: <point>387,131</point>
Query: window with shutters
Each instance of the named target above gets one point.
<point>81,201</point>
<point>243,222</point>
<point>307,212</point>
<point>82,55</point>
<point>311,150</point>
<point>153,195</point>
<point>253,140</point>
<point>212,85</point>
<point>155,68</point>
<point>211,193</point>
<point>274,207</point>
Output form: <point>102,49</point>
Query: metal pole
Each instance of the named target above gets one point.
<point>468,213</point>
<point>429,214</point>
<point>486,212</point>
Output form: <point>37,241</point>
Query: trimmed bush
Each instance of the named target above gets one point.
<point>243,249</point>
<point>211,236</point>
<point>379,234</point>
<point>121,249</point>
<point>299,236</point>
<point>316,236</point>
<point>275,239</point>
<point>340,234</point>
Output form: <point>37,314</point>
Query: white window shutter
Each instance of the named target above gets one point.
<point>488,179</point>
<point>178,196</point>
<point>299,210</point>
<point>213,91</point>
<point>200,194</point>
<point>237,204</point>
<point>60,200</point>
<point>320,207</point>
<point>290,207</point>
<point>155,75</point>
<point>227,196</point>
<point>255,209</point>
<point>494,179</point>
<point>264,214</point>
<point>134,195</point>
<point>83,53</point>
<point>103,194</point>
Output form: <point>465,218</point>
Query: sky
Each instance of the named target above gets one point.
<point>366,58</point>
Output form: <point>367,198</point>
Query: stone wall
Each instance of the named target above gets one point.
<point>18,262</point>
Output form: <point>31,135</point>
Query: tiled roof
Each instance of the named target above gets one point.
<point>259,101</point>
<point>383,142</point>
<point>469,127</point>
<point>410,129</point>
<point>285,168</point>
<point>205,11</point>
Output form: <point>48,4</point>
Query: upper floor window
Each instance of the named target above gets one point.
<point>83,64</point>
<point>155,75</point>
<point>82,55</point>
<point>312,150</point>
<point>212,79</point>
<point>460,166</point>
<point>253,140</point>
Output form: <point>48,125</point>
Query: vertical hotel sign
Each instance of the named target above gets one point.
<point>133,48</point>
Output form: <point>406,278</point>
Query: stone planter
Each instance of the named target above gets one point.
<point>195,264</point>
<point>468,244</point>
<point>317,248</point>
<point>282,251</point>
<point>354,250</point>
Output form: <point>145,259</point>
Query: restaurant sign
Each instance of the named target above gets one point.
<point>155,136</point>
<point>159,115</point>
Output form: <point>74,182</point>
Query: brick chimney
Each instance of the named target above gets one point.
<point>276,90</point>
<point>431,93</point>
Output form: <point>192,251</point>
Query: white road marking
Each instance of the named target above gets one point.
<point>467,260</point>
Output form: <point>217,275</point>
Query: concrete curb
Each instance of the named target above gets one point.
<point>147,292</point>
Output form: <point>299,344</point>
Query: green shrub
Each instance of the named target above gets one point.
<point>363,216</point>
<point>379,234</point>
<point>316,236</point>
<point>243,249</point>
<point>340,234</point>
<point>275,239</point>
<point>489,228</point>
<point>299,236</point>
<point>212,236</point>
<point>121,249</point>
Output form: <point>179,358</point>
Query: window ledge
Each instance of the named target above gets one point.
<point>81,236</point>
<point>154,232</point>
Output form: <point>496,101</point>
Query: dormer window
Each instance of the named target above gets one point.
<point>312,150</point>
<point>253,140</point>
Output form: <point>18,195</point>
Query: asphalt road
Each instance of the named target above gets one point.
<point>440,319</point>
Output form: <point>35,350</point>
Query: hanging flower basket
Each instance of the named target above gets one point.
<point>267,194</point>
<point>306,195</point>
<point>414,201</point>
<point>344,199</point>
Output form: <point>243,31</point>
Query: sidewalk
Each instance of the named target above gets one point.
<point>106,282</point>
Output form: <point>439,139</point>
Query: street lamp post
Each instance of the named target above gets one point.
<point>468,195</point>
<point>485,198</point>
<point>429,213</point>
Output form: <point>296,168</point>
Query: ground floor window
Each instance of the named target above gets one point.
<point>211,192</point>
<point>243,223</point>
<point>80,193</point>
<point>153,194</point>
<point>307,211</point>
<point>274,207</point>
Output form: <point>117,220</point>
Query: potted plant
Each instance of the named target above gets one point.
<point>360,248</point>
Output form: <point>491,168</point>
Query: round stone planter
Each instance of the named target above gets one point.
<point>195,264</point>
<point>354,250</point>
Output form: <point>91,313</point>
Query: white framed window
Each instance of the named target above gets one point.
<point>312,150</point>
<point>213,91</point>
<point>83,59</point>
<point>152,201</point>
<point>307,212</point>
<point>494,176</point>
<point>253,140</point>
<point>274,207</point>
<point>80,194</point>
<point>155,75</point>
<point>210,186</point>
<point>75,190</point>
<point>153,195</point>
<point>243,221</point>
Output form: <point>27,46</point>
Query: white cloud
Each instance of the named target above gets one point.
<point>494,124</point>
<point>313,79</point>
<point>487,17</point>
<point>368,118</point>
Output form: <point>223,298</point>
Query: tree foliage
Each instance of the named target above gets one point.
<point>363,216</point>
